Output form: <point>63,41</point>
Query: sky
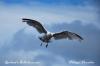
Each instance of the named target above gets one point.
<point>18,41</point>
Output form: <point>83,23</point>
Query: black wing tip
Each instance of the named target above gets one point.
<point>81,38</point>
<point>25,19</point>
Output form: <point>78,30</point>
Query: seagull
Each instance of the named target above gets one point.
<point>47,36</point>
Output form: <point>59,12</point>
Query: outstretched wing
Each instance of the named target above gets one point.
<point>35,24</point>
<point>67,35</point>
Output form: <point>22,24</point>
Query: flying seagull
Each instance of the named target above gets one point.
<point>47,36</point>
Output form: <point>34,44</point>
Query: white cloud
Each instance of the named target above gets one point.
<point>39,56</point>
<point>50,14</point>
<point>36,56</point>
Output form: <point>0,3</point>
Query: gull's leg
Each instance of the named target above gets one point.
<point>41,44</point>
<point>46,45</point>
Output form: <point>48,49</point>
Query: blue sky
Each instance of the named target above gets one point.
<point>52,2</point>
<point>18,41</point>
<point>72,2</point>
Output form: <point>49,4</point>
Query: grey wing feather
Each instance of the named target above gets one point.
<point>35,24</point>
<point>67,35</point>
